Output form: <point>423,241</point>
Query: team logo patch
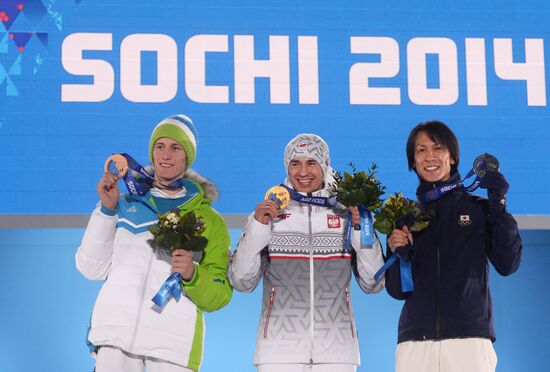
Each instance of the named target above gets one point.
<point>302,147</point>
<point>464,220</point>
<point>333,221</point>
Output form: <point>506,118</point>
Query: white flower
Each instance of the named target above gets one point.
<point>172,217</point>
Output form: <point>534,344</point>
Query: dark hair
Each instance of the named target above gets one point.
<point>438,132</point>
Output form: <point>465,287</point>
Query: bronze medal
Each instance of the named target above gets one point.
<point>116,164</point>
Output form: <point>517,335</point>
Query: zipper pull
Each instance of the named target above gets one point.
<point>272,296</point>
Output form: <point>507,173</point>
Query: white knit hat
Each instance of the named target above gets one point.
<point>311,146</point>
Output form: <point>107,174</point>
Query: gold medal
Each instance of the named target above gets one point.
<point>118,163</point>
<point>279,195</point>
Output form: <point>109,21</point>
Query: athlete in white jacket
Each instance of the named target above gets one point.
<point>128,331</point>
<point>306,321</point>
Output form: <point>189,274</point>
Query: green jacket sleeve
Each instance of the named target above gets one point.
<point>209,288</point>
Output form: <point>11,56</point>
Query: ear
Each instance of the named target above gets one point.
<point>453,162</point>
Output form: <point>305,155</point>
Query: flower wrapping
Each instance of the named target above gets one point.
<point>177,230</point>
<point>360,189</point>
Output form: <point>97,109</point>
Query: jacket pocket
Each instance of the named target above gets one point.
<point>270,307</point>
<point>348,303</point>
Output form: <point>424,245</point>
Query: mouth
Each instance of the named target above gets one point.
<point>304,181</point>
<point>431,168</point>
<point>165,165</point>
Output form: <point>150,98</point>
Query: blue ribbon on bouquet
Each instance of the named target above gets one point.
<point>367,229</point>
<point>407,284</point>
<point>171,287</point>
<point>137,180</point>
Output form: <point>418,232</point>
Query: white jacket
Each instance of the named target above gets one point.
<point>119,249</point>
<point>306,314</point>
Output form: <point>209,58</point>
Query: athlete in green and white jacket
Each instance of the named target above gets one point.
<point>129,332</point>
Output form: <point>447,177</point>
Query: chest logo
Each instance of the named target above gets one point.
<point>283,216</point>
<point>464,220</point>
<point>333,221</point>
<point>132,209</point>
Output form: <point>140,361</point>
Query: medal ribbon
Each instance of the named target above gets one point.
<point>407,284</point>
<point>171,287</point>
<point>140,181</point>
<point>438,192</point>
<point>314,200</point>
<point>482,163</point>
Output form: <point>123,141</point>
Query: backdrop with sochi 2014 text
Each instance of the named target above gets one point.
<point>82,79</point>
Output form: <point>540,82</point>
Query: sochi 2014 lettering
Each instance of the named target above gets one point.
<point>246,68</point>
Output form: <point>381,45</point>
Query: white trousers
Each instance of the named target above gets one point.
<point>111,359</point>
<point>452,355</point>
<point>286,367</point>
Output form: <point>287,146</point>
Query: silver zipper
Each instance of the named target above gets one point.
<point>311,289</point>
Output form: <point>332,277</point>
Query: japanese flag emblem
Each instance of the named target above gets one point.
<point>464,220</point>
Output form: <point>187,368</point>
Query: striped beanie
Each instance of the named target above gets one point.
<point>311,146</point>
<point>181,129</point>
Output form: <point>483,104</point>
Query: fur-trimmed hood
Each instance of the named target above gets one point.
<point>210,189</point>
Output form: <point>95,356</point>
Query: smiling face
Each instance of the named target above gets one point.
<point>305,174</point>
<point>432,161</point>
<point>169,159</point>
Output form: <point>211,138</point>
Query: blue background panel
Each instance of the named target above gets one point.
<point>47,304</point>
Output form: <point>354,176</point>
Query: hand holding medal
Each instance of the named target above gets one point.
<point>114,168</point>
<point>279,195</point>
<point>276,199</point>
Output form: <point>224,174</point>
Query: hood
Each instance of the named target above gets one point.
<point>210,189</point>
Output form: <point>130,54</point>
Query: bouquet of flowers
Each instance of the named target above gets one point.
<point>177,230</point>
<point>358,188</point>
<point>399,211</point>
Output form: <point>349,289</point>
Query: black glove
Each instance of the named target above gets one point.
<point>497,187</point>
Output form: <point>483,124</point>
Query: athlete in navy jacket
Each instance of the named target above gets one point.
<point>447,320</point>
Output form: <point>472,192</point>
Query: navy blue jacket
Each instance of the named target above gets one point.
<point>451,297</point>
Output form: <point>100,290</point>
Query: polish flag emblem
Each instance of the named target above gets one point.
<point>333,221</point>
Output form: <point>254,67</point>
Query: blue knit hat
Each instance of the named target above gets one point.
<point>180,128</point>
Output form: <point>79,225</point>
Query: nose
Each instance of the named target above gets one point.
<point>429,154</point>
<point>302,170</point>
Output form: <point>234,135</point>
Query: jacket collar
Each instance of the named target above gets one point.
<point>424,187</point>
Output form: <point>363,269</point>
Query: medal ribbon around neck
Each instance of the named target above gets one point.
<point>137,180</point>
<point>482,164</point>
<point>320,201</point>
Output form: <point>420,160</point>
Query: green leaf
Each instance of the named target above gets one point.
<point>385,226</point>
